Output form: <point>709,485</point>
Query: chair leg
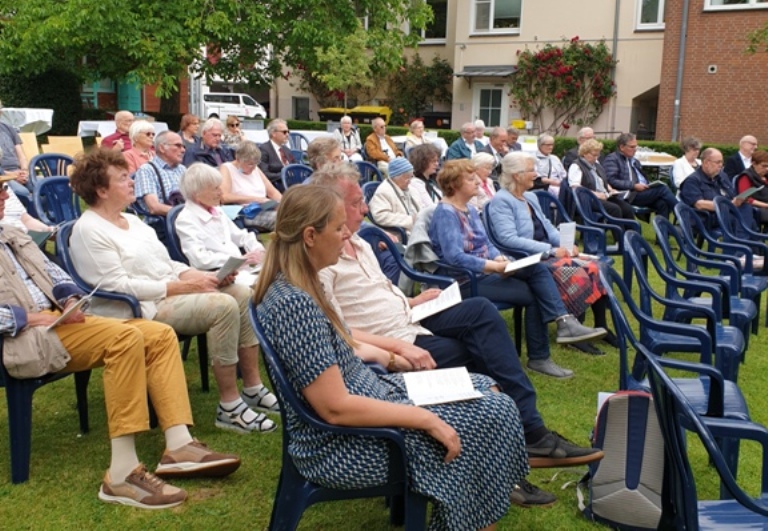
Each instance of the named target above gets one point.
<point>202,355</point>
<point>517,316</point>
<point>18,394</point>
<point>81,390</point>
<point>415,512</point>
<point>286,511</point>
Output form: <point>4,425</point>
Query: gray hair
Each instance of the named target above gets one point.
<point>211,123</point>
<point>513,163</point>
<point>139,127</point>
<point>160,139</point>
<point>247,151</point>
<point>414,124</point>
<point>319,149</point>
<point>483,159</point>
<point>479,124</point>
<point>345,119</point>
<point>197,178</point>
<point>497,132</point>
<point>625,138</point>
<point>335,175</point>
<point>583,133</point>
<point>544,138</point>
<point>274,124</point>
<point>690,142</point>
<point>513,131</point>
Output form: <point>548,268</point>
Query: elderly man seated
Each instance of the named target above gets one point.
<point>157,181</point>
<point>379,146</point>
<point>709,180</point>
<point>465,147</point>
<point>742,159</point>
<point>497,147</point>
<point>275,153</point>
<point>13,161</point>
<point>210,150</point>
<point>139,357</point>
<point>624,173</point>
<point>471,333</point>
<point>119,140</point>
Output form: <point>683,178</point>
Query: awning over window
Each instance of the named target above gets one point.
<point>487,71</point>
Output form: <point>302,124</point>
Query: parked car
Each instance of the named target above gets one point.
<point>223,104</point>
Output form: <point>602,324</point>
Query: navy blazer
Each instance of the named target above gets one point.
<point>201,153</point>
<point>734,165</point>
<point>271,164</point>
<point>617,173</point>
<point>459,150</point>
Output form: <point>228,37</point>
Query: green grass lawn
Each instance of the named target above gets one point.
<point>67,468</point>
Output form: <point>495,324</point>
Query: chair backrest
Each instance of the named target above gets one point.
<point>368,172</point>
<point>69,145</point>
<point>729,220</point>
<point>46,165</point>
<point>294,174</point>
<point>299,156</point>
<point>172,237</point>
<point>588,205</point>
<point>493,237</point>
<point>675,413</point>
<point>298,141</point>
<point>369,189</point>
<point>29,144</point>
<point>55,202</point>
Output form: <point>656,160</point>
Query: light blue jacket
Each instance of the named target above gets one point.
<point>513,225</point>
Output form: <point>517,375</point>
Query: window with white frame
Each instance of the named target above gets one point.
<point>715,5</point>
<point>435,30</point>
<point>650,14</point>
<point>490,103</point>
<point>497,16</point>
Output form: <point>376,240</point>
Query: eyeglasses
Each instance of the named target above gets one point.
<point>149,133</point>
<point>552,144</point>
<point>284,132</point>
<point>715,162</point>
<point>178,145</point>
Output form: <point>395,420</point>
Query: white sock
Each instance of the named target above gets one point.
<point>176,437</point>
<point>124,458</point>
<point>248,414</point>
<point>253,391</point>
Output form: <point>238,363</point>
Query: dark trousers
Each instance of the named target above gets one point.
<point>473,334</point>
<point>658,198</point>
<point>618,208</point>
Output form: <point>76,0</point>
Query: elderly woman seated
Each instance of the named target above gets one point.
<point>586,171</point>
<point>122,254</point>
<point>349,138</point>
<point>425,160</point>
<point>208,237</point>
<point>484,164</point>
<point>520,225</point>
<point>234,133</point>
<point>393,205</point>
<point>242,183</point>
<point>415,136</point>
<point>323,151</point>
<point>142,135</point>
<point>455,451</point>
<point>549,170</point>
<point>459,239</point>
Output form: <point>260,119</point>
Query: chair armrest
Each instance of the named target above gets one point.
<point>462,275</point>
<point>130,300</point>
<point>716,399</point>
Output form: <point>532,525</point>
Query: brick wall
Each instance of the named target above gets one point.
<point>152,103</point>
<point>719,107</point>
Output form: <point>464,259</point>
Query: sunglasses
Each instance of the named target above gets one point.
<point>233,125</point>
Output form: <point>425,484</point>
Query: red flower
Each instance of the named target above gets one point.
<point>566,126</point>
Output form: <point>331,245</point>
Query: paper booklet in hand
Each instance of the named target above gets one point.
<point>749,192</point>
<point>232,264</point>
<point>72,309</point>
<point>450,296</point>
<point>440,386</point>
<point>520,263</point>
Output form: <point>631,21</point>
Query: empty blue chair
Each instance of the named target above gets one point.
<point>55,202</point>
<point>298,141</point>
<point>18,396</point>
<point>294,174</point>
<point>48,165</point>
<point>295,494</point>
<point>368,172</point>
<point>681,506</point>
<point>730,222</point>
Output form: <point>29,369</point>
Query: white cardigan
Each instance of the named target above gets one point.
<point>208,241</point>
<point>392,207</point>
<point>129,261</point>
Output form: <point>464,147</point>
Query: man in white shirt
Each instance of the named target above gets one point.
<point>275,153</point>
<point>741,160</point>
<point>465,147</point>
<point>497,146</point>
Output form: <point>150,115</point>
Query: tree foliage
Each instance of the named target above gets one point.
<point>571,84</point>
<point>153,41</point>
<point>415,86</point>
<point>757,40</point>
<point>345,63</point>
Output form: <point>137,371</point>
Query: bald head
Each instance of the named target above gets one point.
<point>584,134</point>
<point>747,145</point>
<point>123,121</point>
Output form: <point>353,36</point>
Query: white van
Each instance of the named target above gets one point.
<point>223,104</point>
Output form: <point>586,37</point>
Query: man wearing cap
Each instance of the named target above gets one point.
<point>14,162</point>
<point>393,205</point>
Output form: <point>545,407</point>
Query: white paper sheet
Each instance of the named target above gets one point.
<point>450,296</point>
<point>440,386</point>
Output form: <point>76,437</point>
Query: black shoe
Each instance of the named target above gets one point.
<point>528,495</point>
<point>553,450</point>
<point>587,348</point>
<point>611,339</point>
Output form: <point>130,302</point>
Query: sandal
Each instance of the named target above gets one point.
<point>264,400</point>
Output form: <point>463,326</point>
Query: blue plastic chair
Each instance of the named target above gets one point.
<point>18,396</point>
<point>295,494</point>
<point>681,508</point>
<point>368,172</point>
<point>726,343</point>
<point>173,243</point>
<point>740,312</point>
<point>729,218</point>
<point>48,165</point>
<point>592,239</point>
<point>369,189</point>
<point>294,174</point>
<point>298,141</point>
<point>55,202</point>
<point>65,258</point>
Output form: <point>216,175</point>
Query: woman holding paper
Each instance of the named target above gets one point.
<point>465,456</point>
<point>755,177</point>
<point>242,183</point>
<point>459,239</point>
<point>521,226</point>
<point>207,236</point>
<point>122,254</point>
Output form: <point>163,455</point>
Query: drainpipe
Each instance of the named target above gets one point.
<point>615,46</point>
<point>679,78</point>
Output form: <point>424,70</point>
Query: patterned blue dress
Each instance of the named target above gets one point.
<point>470,492</point>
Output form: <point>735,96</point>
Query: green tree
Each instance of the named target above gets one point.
<point>415,87</point>
<point>153,41</point>
<point>345,63</point>
<point>571,84</point>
